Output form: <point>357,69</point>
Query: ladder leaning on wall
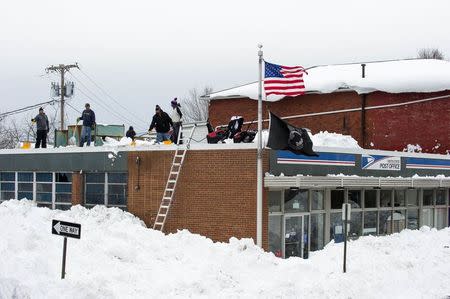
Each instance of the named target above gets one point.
<point>169,191</point>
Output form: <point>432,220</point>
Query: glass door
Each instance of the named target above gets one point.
<point>296,236</point>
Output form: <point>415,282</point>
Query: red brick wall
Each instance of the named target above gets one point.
<point>215,194</point>
<point>388,128</point>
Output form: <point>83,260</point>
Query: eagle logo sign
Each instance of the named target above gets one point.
<point>295,140</point>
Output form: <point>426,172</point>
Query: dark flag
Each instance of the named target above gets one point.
<point>283,136</point>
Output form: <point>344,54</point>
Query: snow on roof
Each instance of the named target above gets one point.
<point>411,75</point>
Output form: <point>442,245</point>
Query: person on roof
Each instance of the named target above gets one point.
<point>161,122</point>
<point>176,119</point>
<point>131,133</point>
<point>88,118</point>
<point>43,128</point>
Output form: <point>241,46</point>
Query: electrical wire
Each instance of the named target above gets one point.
<point>27,108</point>
<point>109,96</point>
<point>105,105</point>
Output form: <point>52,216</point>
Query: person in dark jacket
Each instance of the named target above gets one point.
<point>176,119</point>
<point>41,121</point>
<point>131,133</point>
<point>88,118</point>
<point>162,123</point>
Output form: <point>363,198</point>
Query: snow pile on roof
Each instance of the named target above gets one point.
<point>334,140</point>
<point>117,257</point>
<point>414,75</point>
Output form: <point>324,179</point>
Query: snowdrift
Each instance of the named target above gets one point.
<point>118,257</point>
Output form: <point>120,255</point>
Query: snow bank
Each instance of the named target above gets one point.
<point>390,76</point>
<point>117,257</point>
<point>334,140</point>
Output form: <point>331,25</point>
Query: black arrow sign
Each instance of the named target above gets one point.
<point>66,229</point>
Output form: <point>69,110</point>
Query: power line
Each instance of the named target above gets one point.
<point>27,108</point>
<point>100,101</point>
<point>113,99</point>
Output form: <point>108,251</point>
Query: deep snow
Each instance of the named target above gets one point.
<point>118,257</point>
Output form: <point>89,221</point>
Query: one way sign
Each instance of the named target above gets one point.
<point>66,229</point>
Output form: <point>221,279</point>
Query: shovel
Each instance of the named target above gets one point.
<point>73,139</point>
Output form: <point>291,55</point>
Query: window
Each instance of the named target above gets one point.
<point>354,198</point>
<point>441,197</point>
<point>336,227</point>
<point>384,226</point>
<point>386,198</point>
<point>7,185</point>
<point>106,189</point>
<point>370,223</point>
<point>275,201</point>
<point>440,218</point>
<point>317,200</point>
<point>355,225</point>
<point>412,221</point>
<point>412,197</point>
<point>399,198</point>
<point>63,192</point>
<point>296,201</point>
<point>317,231</point>
<point>25,185</point>
<point>398,221</point>
<point>427,217</point>
<point>337,199</point>
<point>275,233</point>
<point>44,189</point>
<point>370,199</point>
<point>428,198</point>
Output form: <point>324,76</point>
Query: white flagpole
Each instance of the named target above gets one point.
<point>259,186</point>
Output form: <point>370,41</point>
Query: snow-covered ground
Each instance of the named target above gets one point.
<point>118,257</point>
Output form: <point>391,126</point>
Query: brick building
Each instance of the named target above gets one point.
<point>391,107</point>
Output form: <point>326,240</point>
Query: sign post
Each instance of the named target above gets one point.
<point>346,212</point>
<point>65,229</point>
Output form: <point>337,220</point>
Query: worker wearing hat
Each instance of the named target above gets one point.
<point>43,127</point>
<point>161,122</point>
<point>88,118</point>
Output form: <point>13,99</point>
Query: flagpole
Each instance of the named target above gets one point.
<point>259,186</point>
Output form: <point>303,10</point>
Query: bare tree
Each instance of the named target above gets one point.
<point>194,108</point>
<point>430,53</point>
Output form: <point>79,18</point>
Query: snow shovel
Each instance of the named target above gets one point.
<point>73,139</point>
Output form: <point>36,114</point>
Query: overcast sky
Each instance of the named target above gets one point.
<point>144,53</point>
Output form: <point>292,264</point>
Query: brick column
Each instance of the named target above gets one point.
<point>77,188</point>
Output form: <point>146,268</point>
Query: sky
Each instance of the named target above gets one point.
<point>141,53</point>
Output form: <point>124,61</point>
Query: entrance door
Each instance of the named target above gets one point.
<point>296,236</point>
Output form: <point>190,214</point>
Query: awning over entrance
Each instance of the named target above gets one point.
<point>271,181</point>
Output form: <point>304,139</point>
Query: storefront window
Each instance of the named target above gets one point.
<point>427,217</point>
<point>275,201</point>
<point>355,225</point>
<point>336,227</point>
<point>370,199</point>
<point>317,231</point>
<point>337,199</point>
<point>412,197</point>
<point>440,218</point>
<point>354,198</point>
<point>428,198</point>
<point>398,221</point>
<point>413,219</point>
<point>275,234</point>
<point>296,201</point>
<point>440,197</point>
<point>399,198</point>
<point>384,223</point>
<point>44,189</point>
<point>370,223</point>
<point>386,198</point>
<point>317,199</point>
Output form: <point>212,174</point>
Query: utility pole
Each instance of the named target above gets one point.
<point>62,69</point>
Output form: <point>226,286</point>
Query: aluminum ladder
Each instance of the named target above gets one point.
<point>169,191</point>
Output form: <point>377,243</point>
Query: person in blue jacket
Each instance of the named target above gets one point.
<point>88,118</point>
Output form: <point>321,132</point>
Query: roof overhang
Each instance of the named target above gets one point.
<point>308,182</point>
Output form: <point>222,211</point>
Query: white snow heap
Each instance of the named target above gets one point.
<point>413,75</point>
<point>117,257</point>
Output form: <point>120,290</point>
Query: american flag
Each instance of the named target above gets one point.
<point>283,80</point>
